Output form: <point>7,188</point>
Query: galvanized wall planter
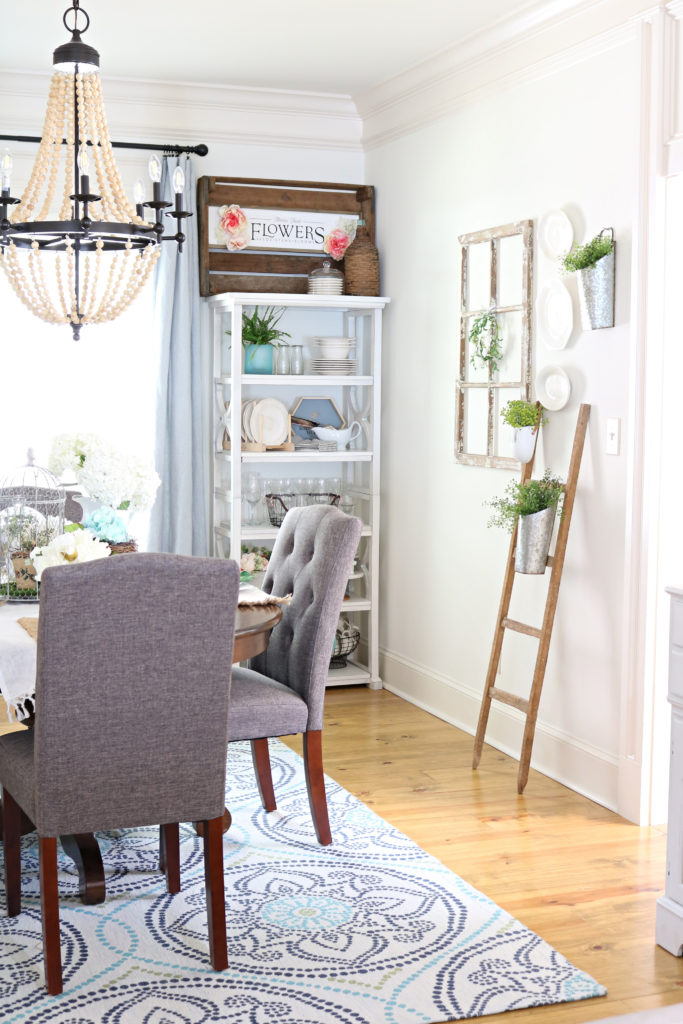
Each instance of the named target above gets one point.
<point>533,541</point>
<point>478,397</point>
<point>596,293</point>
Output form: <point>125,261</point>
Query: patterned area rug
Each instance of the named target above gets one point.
<point>371,930</point>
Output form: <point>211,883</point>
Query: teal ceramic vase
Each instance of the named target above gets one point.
<point>258,359</point>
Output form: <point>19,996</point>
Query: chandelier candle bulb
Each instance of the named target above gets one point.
<point>6,170</point>
<point>139,197</point>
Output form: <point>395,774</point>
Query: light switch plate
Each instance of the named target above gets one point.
<point>612,444</point>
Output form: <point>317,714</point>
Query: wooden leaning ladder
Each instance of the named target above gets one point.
<point>556,561</point>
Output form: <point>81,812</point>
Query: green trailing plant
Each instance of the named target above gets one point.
<point>262,328</point>
<point>580,257</point>
<point>487,340</point>
<point>525,499</point>
<point>518,413</point>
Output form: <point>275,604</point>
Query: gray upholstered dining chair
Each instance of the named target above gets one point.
<point>283,690</point>
<point>131,720</point>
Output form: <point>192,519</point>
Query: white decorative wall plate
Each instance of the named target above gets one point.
<point>553,388</point>
<point>555,315</point>
<point>555,233</point>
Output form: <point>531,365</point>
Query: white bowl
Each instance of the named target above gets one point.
<point>335,348</point>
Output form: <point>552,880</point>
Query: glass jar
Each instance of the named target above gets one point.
<point>296,359</point>
<point>325,280</point>
<point>282,360</point>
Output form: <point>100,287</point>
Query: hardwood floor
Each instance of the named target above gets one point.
<point>580,876</point>
<point>583,878</point>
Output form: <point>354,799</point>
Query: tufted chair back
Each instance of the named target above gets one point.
<point>312,558</point>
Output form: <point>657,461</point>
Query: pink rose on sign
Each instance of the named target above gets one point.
<point>233,219</point>
<point>336,243</point>
<point>240,240</point>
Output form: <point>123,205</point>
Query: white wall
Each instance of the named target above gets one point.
<point>561,138</point>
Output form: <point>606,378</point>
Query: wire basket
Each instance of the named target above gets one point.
<point>278,505</point>
<point>346,640</point>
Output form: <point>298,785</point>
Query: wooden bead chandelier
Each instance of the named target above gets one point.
<point>75,250</point>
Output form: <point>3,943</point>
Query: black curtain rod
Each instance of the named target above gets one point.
<point>200,150</point>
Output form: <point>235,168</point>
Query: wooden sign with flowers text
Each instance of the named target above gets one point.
<point>267,236</point>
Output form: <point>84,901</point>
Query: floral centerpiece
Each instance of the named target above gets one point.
<point>254,562</point>
<point>115,482</point>
<point>75,545</point>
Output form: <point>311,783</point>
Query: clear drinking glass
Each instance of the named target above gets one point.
<point>252,494</point>
<point>282,360</point>
<point>296,359</point>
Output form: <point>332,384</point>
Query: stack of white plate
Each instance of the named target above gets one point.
<point>332,356</point>
<point>325,285</point>
<point>334,367</point>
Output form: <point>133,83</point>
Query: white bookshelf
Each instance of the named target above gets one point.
<point>305,317</point>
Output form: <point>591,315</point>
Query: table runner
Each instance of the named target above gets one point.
<point>17,662</point>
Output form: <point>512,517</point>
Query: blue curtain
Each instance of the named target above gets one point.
<point>179,518</point>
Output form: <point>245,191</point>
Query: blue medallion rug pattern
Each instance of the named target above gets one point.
<point>370,930</point>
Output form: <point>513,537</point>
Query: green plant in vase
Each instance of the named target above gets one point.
<point>259,330</point>
<point>533,505</point>
<point>525,499</point>
<point>525,418</point>
<point>580,257</point>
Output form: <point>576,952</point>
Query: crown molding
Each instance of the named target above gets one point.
<point>143,109</point>
<point>538,42</point>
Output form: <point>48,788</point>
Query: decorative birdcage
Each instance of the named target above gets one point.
<point>31,514</point>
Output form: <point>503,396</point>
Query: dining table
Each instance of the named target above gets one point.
<point>18,656</point>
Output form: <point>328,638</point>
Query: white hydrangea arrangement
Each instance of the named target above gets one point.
<point>68,548</point>
<point>115,478</point>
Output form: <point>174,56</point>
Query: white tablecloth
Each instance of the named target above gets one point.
<point>17,658</point>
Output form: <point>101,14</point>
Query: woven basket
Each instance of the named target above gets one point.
<point>124,547</point>
<point>361,265</point>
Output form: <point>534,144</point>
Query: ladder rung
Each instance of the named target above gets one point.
<point>521,627</point>
<point>509,698</point>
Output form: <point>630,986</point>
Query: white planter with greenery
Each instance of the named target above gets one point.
<point>525,419</point>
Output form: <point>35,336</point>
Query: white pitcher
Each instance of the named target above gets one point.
<point>341,437</point>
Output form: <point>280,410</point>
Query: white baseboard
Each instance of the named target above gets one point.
<point>579,766</point>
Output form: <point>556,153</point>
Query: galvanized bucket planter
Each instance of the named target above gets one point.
<point>533,541</point>
<point>596,294</point>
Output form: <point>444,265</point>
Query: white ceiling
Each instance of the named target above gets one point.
<point>342,46</point>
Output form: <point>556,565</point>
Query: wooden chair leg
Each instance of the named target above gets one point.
<point>264,777</point>
<point>169,855</point>
<point>49,906</point>
<point>215,892</point>
<point>315,784</point>
<point>11,838</point>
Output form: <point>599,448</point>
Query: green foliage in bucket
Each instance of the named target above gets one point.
<point>525,499</point>
<point>518,413</point>
<point>580,257</point>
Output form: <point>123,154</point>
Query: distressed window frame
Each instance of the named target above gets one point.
<point>492,459</point>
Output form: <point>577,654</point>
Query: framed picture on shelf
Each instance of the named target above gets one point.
<point>320,412</point>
